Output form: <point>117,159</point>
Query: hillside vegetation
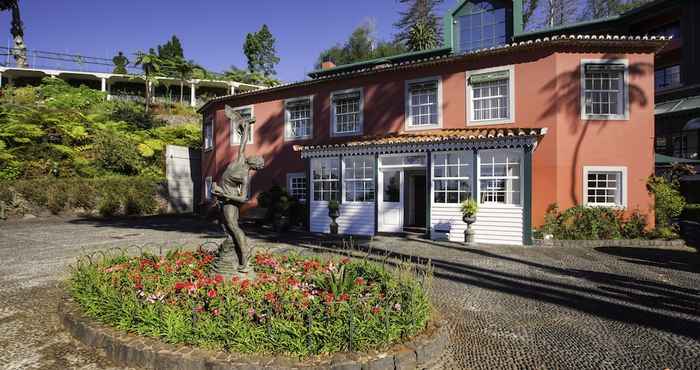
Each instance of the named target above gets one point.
<point>63,131</point>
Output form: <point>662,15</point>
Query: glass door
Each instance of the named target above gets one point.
<point>391,200</point>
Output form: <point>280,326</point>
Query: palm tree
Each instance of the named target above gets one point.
<point>184,70</point>
<point>422,37</point>
<point>151,65</point>
<point>19,50</point>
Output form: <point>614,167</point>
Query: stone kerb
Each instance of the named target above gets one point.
<point>422,352</point>
<point>610,243</point>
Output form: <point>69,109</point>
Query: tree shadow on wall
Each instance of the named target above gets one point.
<point>568,99</point>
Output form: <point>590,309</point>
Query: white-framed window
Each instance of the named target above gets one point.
<point>298,118</point>
<point>297,186</point>
<point>491,95</point>
<point>247,113</point>
<point>452,176</point>
<point>424,103</point>
<point>324,179</point>
<point>346,115</point>
<point>358,179</point>
<point>604,90</point>
<point>207,188</point>
<point>500,172</point>
<point>605,186</point>
<point>209,133</point>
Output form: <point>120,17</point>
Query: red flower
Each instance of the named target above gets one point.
<point>219,279</point>
<point>181,285</point>
<point>138,286</point>
<point>360,281</point>
<point>293,282</point>
<point>211,293</point>
<point>376,309</point>
<point>116,268</point>
<point>245,284</point>
<point>345,261</point>
<point>271,297</point>
<point>344,297</point>
<point>311,265</point>
<point>329,298</point>
<point>215,312</point>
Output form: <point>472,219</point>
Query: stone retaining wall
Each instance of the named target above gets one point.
<point>610,243</point>
<point>423,352</point>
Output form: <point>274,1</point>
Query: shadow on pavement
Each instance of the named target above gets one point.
<point>180,223</point>
<point>682,260</point>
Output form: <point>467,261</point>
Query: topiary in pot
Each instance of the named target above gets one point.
<point>333,213</point>
<point>281,214</point>
<point>469,208</point>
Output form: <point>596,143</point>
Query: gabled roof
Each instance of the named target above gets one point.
<point>634,43</point>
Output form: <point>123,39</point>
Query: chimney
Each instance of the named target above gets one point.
<point>327,64</point>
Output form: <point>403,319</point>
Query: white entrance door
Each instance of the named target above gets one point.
<point>390,200</point>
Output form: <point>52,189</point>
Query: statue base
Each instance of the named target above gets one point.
<point>226,264</point>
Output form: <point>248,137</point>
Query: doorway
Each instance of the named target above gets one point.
<point>415,207</point>
<point>401,194</point>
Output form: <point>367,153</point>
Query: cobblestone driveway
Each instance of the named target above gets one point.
<point>508,307</point>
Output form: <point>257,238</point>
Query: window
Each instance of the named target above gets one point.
<point>324,179</point>
<point>667,77</point>
<point>491,93</point>
<point>207,188</point>
<point>347,112</point>
<point>208,133</point>
<point>423,103</point>
<point>671,29</point>
<point>358,179</point>
<point>605,186</point>
<point>499,177</point>
<point>247,113</point>
<point>452,174</point>
<point>299,118</point>
<point>680,146</point>
<point>483,26</point>
<point>604,91</point>
<point>296,184</point>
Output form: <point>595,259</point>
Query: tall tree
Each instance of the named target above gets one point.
<point>560,12</point>
<point>595,9</point>
<point>259,48</point>
<point>418,12</point>
<point>171,49</point>
<point>529,7</point>
<point>184,69</point>
<point>361,45</point>
<point>19,49</point>
<point>151,65</point>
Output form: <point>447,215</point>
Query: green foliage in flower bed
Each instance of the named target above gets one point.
<point>294,306</point>
<point>592,223</point>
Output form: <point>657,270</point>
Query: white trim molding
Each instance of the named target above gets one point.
<point>622,186</point>
<point>511,96</point>
<point>287,117</point>
<point>232,132</point>
<point>625,116</point>
<point>361,113</point>
<point>408,119</point>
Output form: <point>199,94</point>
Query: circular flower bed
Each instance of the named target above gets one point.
<point>295,305</point>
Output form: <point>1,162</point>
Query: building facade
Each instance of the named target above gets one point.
<point>400,142</point>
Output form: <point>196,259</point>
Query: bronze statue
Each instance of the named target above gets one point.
<point>233,192</point>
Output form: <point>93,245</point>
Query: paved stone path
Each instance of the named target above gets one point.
<point>508,307</point>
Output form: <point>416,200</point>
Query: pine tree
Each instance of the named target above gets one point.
<point>419,12</point>
<point>259,48</point>
<point>171,49</point>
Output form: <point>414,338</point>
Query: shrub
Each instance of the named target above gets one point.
<point>279,202</point>
<point>294,305</point>
<point>109,205</point>
<point>635,226</point>
<point>588,223</point>
<point>469,207</point>
<point>668,201</point>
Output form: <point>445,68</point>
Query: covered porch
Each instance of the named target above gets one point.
<point>415,182</point>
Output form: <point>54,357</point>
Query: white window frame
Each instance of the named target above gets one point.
<point>479,177</point>
<point>511,96</point>
<point>287,117</point>
<point>208,134</point>
<point>207,188</point>
<point>233,130</point>
<point>623,185</point>
<point>313,182</point>
<point>408,118</point>
<point>297,175</point>
<point>360,125</point>
<point>358,179</point>
<point>469,177</point>
<point>625,92</point>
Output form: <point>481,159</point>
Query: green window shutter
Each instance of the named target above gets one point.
<point>487,77</point>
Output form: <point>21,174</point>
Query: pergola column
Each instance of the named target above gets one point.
<point>233,89</point>
<point>103,87</point>
<point>0,79</point>
<point>193,95</point>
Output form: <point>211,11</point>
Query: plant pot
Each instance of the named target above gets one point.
<point>280,223</point>
<point>468,219</point>
<point>334,213</point>
<point>469,232</point>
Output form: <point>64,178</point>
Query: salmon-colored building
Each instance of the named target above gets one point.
<point>401,141</point>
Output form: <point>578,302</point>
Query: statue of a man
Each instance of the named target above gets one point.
<point>233,192</point>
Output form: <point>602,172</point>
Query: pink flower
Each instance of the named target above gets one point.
<point>376,309</point>
<point>251,312</point>
<point>218,279</point>
<point>211,293</point>
<point>199,309</point>
<point>397,306</point>
<point>215,312</point>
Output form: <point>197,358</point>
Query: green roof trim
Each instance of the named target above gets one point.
<point>667,159</point>
<point>383,60</point>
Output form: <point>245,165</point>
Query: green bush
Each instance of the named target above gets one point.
<point>592,223</point>
<point>109,205</point>
<point>668,201</point>
<point>300,306</point>
<point>279,202</point>
<point>635,226</point>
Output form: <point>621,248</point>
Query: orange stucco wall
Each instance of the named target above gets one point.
<point>547,94</point>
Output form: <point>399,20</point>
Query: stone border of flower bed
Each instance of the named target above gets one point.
<point>676,243</point>
<point>422,352</point>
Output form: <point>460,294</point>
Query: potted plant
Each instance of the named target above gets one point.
<point>333,213</point>
<point>469,208</point>
<point>281,213</point>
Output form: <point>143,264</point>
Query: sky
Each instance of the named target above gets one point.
<point>212,32</point>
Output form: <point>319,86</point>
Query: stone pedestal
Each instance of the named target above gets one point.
<point>226,263</point>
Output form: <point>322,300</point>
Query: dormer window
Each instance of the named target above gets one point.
<point>481,24</point>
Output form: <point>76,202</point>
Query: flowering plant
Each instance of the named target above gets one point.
<point>295,305</point>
